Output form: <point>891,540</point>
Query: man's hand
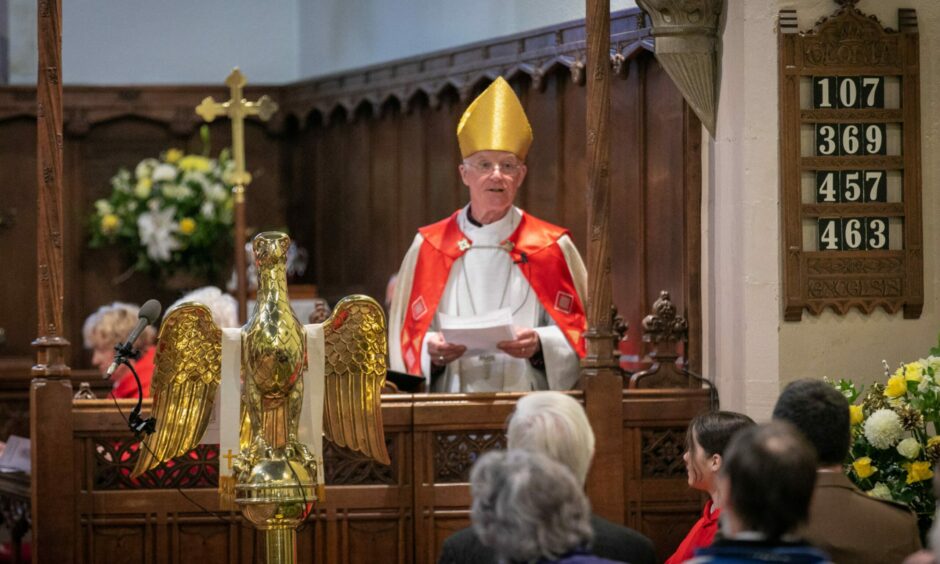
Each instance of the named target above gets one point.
<point>525,344</point>
<point>443,353</point>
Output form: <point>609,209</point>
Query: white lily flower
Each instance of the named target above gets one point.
<point>156,232</point>
<point>163,172</point>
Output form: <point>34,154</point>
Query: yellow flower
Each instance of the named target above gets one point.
<point>173,155</point>
<point>897,386</point>
<point>912,372</point>
<point>863,467</point>
<point>856,415</point>
<point>187,226</point>
<point>195,163</point>
<point>918,471</point>
<point>933,440</point>
<point>110,223</point>
<point>142,190</point>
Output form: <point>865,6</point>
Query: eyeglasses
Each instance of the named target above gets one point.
<point>487,168</point>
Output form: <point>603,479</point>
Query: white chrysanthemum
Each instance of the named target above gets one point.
<point>145,168</point>
<point>120,184</point>
<point>880,491</point>
<point>163,172</point>
<point>103,207</point>
<point>156,232</point>
<point>933,362</point>
<point>196,176</point>
<point>909,448</point>
<point>883,428</point>
<point>926,382</point>
<point>207,209</point>
<point>216,192</point>
<point>177,191</point>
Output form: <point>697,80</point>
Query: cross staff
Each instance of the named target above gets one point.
<point>236,108</point>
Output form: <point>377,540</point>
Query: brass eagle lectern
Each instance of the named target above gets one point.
<point>276,478</point>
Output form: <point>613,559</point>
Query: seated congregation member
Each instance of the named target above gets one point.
<point>223,306</point>
<point>491,256</point>
<point>845,522</point>
<point>555,425</point>
<point>930,555</point>
<point>108,327</point>
<point>706,440</point>
<point>529,508</point>
<point>765,485</point>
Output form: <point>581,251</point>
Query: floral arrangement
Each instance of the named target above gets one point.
<point>170,215</point>
<point>894,435</point>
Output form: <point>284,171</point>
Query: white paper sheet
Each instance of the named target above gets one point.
<point>16,456</point>
<point>479,333</point>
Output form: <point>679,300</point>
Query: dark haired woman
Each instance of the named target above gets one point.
<point>706,439</point>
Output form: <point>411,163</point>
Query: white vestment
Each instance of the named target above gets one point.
<point>485,279</point>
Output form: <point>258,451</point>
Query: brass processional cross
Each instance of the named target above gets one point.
<point>236,108</point>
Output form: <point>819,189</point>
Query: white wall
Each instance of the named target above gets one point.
<point>184,42</point>
<point>355,33</point>
<point>750,350</point>
<point>165,42</point>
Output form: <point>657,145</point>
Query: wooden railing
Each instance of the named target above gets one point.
<point>372,513</point>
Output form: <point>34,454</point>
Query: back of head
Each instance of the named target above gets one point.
<point>770,472</point>
<point>821,413</point>
<point>555,425</point>
<point>527,507</point>
<point>223,306</point>
<point>110,325</point>
<point>713,430</point>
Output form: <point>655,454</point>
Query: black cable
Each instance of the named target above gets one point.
<point>137,435</point>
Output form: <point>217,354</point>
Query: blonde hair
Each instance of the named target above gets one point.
<point>110,325</point>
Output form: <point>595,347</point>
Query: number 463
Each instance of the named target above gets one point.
<point>853,233</point>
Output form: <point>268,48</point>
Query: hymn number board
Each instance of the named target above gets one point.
<point>848,139</point>
<point>850,164</point>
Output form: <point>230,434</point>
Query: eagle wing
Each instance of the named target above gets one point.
<point>356,347</point>
<point>187,372</point>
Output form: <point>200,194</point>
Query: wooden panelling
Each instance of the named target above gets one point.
<point>405,520</point>
<point>355,163</point>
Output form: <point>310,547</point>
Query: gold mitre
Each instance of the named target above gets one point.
<point>495,121</point>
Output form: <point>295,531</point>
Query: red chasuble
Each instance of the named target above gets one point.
<point>534,250</point>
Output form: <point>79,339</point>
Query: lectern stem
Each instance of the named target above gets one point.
<point>280,546</point>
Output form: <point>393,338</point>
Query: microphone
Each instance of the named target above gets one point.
<point>148,314</point>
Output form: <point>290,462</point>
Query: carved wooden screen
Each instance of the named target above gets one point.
<point>372,513</point>
<point>850,164</point>
<point>354,163</point>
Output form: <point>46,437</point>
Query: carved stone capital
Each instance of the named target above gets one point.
<point>686,43</point>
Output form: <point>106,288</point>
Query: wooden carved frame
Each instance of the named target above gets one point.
<point>850,43</point>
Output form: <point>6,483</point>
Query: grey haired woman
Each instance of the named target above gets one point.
<point>529,508</point>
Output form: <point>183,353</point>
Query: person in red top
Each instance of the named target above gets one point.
<point>706,439</point>
<point>106,328</point>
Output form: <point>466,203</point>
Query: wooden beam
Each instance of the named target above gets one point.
<point>51,346</point>
<point>600,371</point>
<point>53,523</point>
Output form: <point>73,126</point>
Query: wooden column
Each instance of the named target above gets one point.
<point>49,171</point>
<point>54,516</point>
<point>53,523</point>
<point>600,371</point>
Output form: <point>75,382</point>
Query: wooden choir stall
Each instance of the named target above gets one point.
<point>385,135</point>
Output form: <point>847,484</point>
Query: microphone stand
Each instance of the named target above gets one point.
<point>125,352</point>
